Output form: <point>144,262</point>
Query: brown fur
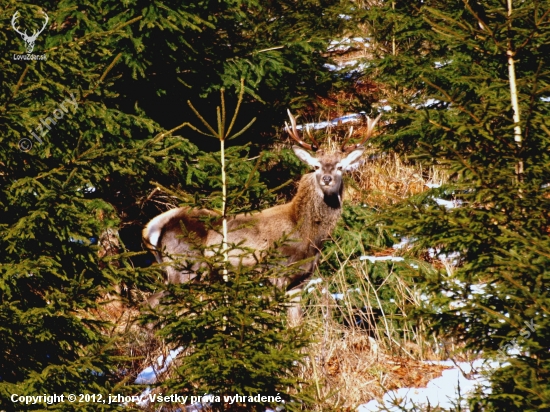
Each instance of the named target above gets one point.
<point>307,220</point>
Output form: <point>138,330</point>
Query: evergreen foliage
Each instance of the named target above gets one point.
<point>58,198</point>
<point>450,88</point>
<point>236,338</point>
<point>128,67</point>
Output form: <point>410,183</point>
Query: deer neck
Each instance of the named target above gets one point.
<point>315,213</point>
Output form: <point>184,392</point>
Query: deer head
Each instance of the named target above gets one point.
<point>329,168</point>
<point>28,39</point>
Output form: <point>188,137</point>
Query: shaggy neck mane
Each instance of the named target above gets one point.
<point>315,213</point>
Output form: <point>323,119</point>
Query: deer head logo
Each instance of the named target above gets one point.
<point>28,39</point>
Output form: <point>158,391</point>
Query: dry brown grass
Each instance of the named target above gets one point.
<point>350,364</point>
<point>385,179</point>
<point>349,368</point>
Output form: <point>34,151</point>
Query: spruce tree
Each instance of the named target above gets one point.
<point>231,320</point>
<point>66,149</point>
<point>102,106</point>
<point>458,111</point>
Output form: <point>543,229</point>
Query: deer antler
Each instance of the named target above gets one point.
<point>296,135</point>
<point>35,35</point>
<point>370,128</point>
<point>14,21</point>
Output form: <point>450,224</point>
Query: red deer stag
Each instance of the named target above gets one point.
<point>307,220</point>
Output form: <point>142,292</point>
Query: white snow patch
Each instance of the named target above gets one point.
<point>451,258</point>
<point>440,392</point>
<point>427,103</point>
<point>149,374</point>
<point>404,244</point>
<point>386,107</point>
<point>144,398</point>
<point>439,65</point>
<point>349,118</point>
<point>88,188</point>
<point>373,259</point>
<point>448,204</point>
<point>340,296</point>
<point>346,43</point>
<point>310,287</point>
<point>314,282</point>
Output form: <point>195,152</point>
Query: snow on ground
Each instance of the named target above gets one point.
<point>448,204</point>
<point>149,374</point>
<point>345,44</point>
<point>447,391</point>
<point>373,259</point>
<point>349,118</point>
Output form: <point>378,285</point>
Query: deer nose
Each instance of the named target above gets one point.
<point>327,179</point>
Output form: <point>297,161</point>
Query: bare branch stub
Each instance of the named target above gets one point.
<point>295,134</point>
<point>371,123</point>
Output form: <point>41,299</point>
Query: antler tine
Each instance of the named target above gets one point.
<point>46,22</point>
<point>370,128</point>
<point>296,135</point>
<point>315,145</point>
<point>14,22</point>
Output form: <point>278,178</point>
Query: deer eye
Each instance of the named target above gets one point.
<point>316,167</point>
<point>340,168</point>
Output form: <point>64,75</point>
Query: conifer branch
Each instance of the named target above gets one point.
<point>93,36</point>
<point>239,101</point>
<point>521,287</point>
<point>462,161</point>
<point>161,135</point>
<point>102,77</point>
<point>511,53</point>
<point>224,208</point>
<point>20,81</point>
<point>251,175</point>
<point>16,88</point>
<point>109,68</point>
<point>450,99</point>
<point>244,129</point>
<point>393,32</point>
<point>164,189</point>
<point>498,315</point>
<point>447,129</point>
<point>219,118</point>
<point>214,134</point>
<point>268,49</point>
<point>482,24</point>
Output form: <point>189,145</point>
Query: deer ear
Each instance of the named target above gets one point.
<point>305,156</point>
<point>352,160</point>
